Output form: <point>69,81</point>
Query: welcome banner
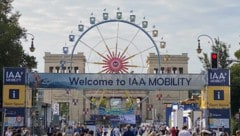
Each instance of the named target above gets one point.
<point>117,81</point>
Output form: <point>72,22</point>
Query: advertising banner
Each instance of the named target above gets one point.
<point>117,81</point>
<point>14,95</point>
<point>55,108</point>
<point>14,117</point>
<point>218,77</point>
<point>218,96</point>
<point>114,119</point>
<point>14,76</point>
<point>127,119</point>
<point>114,111</point>
<point>219,113</point>
<point>219,118</point>
<point>116,103</point>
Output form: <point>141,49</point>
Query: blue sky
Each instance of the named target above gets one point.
<point>179,22</point>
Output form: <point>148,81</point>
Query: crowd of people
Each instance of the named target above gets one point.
<point>23,131</point>
<point>133,130</point>
<point>127,130</point>
<point>76,130</point>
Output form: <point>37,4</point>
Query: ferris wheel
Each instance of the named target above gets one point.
<point>116,45</point>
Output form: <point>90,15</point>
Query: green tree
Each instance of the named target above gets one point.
<point>129,103</point>
<point>237,54</point>
<point>222,50</point>
<point>11,50</point>
<point>235,84</point>
<point>64,109</point>
<point>235,93</point>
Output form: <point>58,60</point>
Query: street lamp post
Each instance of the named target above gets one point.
<point>199,50</point>
<point>213,63</point>
<point>28,112</point>
<point>31,48</point>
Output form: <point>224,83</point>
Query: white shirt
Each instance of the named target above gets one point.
<point>116,131</point>
<point>9,133</point>
<point>184,133</point>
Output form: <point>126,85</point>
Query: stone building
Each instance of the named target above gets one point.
<point>78,102</point>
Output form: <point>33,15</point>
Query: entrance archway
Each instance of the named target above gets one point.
<point>120,54</point>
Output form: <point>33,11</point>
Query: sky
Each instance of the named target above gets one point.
<point>179,22</point>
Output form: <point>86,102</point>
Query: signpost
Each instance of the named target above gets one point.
<point>217,104</point>
<point>14,96</point>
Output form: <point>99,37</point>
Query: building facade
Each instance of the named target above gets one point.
<point>78,105</point>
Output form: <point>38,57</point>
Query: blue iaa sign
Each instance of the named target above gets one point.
<point>14,76</point>
<point>218,77</point>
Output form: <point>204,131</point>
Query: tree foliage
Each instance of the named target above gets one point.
<point>235,87</point>
<point>11,33</point>
<point>235,84</point>
<point>129,103</point>
<point>11,50</point>
<point>237,54</point>
<point>235,93</point>
<point>205,61</point>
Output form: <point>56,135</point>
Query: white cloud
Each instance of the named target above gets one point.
<point>179,22</point>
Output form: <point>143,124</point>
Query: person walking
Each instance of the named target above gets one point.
<point>50,130</point>
<point>69,131</point>
<point>184,132</point>
<point>177,130</point>
<point>173,132</point>
<point>128,132</point>
<point>9,131</point>
<point>116,131</point>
